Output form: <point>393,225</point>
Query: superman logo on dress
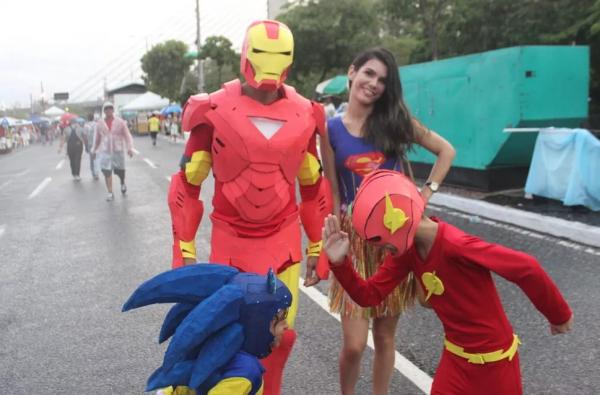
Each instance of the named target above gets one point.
<point>364,163</point>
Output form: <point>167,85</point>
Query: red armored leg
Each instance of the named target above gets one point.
<point>275,363</point>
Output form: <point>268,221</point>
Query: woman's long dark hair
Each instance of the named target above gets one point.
<point>389,127</point>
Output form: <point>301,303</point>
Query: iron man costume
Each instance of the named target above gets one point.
<point>256,151</point>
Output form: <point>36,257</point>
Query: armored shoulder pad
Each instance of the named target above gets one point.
<point>319,114</point>
<point>194,111</point>
<point>233,87</point>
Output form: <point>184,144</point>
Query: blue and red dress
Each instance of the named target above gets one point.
<point>355,157</point>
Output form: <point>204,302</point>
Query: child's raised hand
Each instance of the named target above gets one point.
<point>562,328</point>
<point>335,242</point>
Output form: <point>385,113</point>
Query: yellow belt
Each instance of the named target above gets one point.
<point>481,358</point>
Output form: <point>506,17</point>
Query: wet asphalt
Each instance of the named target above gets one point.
<point>69,260</point>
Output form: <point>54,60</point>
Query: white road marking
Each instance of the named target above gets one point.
<point>6,183</point>
<point>402,364</point>
<point>150,163</point>
<point>2,230</point>
<point>19,174</point>
<point>515,229</point>
<point>136,151</point>
<point>39,188</point>
<point>60,164</point>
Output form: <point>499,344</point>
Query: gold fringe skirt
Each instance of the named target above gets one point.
<point>366,258</point>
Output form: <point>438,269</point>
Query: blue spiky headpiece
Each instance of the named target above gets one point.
<point>219,312</point>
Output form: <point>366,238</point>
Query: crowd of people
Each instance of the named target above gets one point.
<point>105,139</point>
<point>156,124</point>
<point>22,135</point>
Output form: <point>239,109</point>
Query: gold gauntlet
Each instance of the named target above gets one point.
<point>314,248</point>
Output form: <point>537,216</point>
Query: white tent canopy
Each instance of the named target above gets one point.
<point>147,102</point>
<point>14,121</point>
<point>53,111</point>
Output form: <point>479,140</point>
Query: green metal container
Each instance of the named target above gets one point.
<point>470,100</point>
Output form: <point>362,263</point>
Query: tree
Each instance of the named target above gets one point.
<point>444,28</point>
<point>215,75</point>
<point>483,25</point>
<point>165,66</point>
<point>189,85</point>
<point>327,36</point>
<point>421,18</point>
<point>584,29</point>
<point>219,50</point>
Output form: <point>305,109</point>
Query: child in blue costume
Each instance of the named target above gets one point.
<point>223,322</point>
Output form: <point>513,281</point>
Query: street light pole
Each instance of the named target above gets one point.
<point>200,62</point>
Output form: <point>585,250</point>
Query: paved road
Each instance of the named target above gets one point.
<point>70,259</point>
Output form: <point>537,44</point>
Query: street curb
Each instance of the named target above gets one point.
<point>575,231</point>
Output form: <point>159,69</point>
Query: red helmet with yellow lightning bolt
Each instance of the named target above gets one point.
<point>387,210</point>
<point>267,54</point>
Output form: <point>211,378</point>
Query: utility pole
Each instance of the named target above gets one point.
<point>42,97</point>
<point>198,45</point>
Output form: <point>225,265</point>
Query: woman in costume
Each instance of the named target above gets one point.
<point>376,132</point>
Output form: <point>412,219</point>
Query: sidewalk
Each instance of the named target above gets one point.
<point>578,224</point>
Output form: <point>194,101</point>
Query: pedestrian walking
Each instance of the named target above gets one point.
<point>89,129</point>
<point>154,127</point>
<point>329,107</point>
<point>375,132</point>
<point>174,128</point>
<point>73,136</point>
<point>44,132</point>
<point>112,139</point>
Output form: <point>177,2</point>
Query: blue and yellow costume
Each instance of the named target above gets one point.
<point>220,327</point>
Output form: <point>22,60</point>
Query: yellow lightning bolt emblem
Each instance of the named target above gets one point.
<point>394,218</point>
<point>433,284</point>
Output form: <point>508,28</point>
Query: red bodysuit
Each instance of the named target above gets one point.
<point>255,216</point>
<point>256,153</point>
<point>456,275</point>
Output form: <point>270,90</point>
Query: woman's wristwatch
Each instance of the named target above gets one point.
<point>433,186</point>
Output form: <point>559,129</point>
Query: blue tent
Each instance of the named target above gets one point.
<point>173,108</point>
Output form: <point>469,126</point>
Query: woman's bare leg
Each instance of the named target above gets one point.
<point>384,332</point>
<point>355,331</point>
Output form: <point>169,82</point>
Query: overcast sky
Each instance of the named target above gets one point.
<point>74,45</point>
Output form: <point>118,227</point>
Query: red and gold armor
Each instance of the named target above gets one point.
<point>256,152</point>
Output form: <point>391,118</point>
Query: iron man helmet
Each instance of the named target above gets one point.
<point>267,54</point>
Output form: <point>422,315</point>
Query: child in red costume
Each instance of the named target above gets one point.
<point>480,354</point>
